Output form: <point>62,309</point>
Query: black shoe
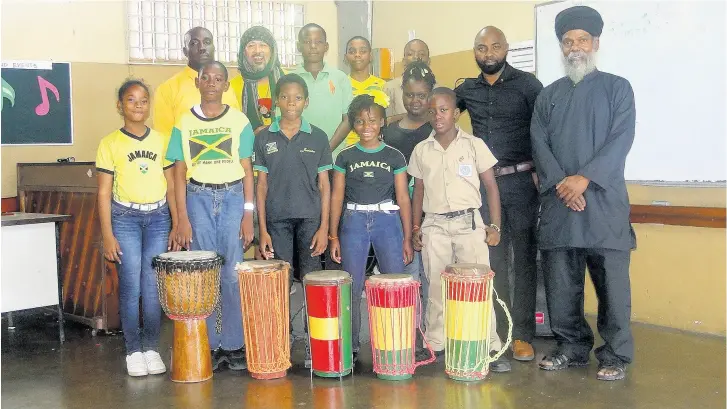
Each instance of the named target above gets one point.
<point>219,360</point>
<point>355,358</point>
<point>236,359</point>
<point>422,354</point>
<point>501,365</point>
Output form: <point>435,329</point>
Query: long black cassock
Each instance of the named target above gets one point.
<point>586,129</point>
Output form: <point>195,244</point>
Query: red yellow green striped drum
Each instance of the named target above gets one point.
<point>265,299</point>
<point>328,302</point>
<point>394,308</point>
<point>467,295</point>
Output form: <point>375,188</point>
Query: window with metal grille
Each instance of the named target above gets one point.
<point>157,27</point>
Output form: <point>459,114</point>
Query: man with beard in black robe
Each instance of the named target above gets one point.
<point>582,129</point>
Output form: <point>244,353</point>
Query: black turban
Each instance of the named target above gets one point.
<point>578,18</point>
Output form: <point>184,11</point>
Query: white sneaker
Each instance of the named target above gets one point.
<point>136,364</point>
<point>154,363</point>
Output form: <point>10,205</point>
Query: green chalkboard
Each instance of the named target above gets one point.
<point>36,103</point>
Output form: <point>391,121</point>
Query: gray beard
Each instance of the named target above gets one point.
<point>576,68</point>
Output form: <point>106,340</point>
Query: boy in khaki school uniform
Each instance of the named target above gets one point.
<point>448,168</point>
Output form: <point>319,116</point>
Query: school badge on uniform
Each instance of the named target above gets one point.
<point>271,147</point>
<point>465,170</point>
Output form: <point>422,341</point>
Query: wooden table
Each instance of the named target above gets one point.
<point>30,263</point>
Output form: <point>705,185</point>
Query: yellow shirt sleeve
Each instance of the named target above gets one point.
<point>105,157</point>
<point>163,114</point>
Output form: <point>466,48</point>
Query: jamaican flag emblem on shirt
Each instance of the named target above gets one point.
<point>203,148</point>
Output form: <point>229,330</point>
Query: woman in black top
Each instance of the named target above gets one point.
<point>370,178</point>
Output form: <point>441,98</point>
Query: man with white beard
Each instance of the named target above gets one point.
<point>582,129</point>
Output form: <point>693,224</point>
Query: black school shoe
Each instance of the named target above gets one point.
<point>422,354</point>
<point>219,360</point>
<point>236,359</point>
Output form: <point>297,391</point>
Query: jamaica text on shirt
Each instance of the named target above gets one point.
<point>369,164</point>
<point>221,129</point>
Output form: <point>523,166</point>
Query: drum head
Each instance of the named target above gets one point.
<point>391,278</point>
<point>260,266</point>
<point>326,275</point>
<point>196,255</point>
<point>469,269</point>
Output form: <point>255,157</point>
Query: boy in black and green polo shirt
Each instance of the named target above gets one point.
<point>293,158</point>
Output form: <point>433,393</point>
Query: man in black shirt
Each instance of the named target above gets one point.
<point>500,102</point>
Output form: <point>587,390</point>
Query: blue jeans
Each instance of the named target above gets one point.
<point>359,231</point>
<point>141,236</point>
<point>416,269</point>
<point>216,215</point>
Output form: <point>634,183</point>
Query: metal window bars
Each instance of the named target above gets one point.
<point>156,28</point>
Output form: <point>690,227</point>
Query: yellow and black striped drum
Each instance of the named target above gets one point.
<point>467,294</point>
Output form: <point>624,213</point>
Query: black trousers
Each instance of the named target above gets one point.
<point>514,259</point>
<point>291,241</point>
<point>564,271</point>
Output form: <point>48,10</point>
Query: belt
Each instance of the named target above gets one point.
<point>458,213</point>
<point>508,170</point>
<point>384,206</point>
<point>144,207</point>
<point>215,186</point>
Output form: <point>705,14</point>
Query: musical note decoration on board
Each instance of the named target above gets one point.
<point>7,92</point>
<point>44,107</point>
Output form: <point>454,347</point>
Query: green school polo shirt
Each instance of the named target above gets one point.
<point>330,95</point>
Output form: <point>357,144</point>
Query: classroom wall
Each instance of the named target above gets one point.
<point>677,272</point>
<point>92,36</point>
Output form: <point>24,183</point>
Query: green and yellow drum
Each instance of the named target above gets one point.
<point>394,307</point>
<point>467,295</point>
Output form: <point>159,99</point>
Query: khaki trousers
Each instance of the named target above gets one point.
<point>447,241</point>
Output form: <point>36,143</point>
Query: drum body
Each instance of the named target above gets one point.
<point>189,291</point>
<point>393,304</point>
<point>264,296</point>
<point>328,304</point>
<point>467,295</point>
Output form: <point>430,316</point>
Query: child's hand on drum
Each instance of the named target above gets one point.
<point>172,244</point>
<point>335,247</point>
<point>112,250</point>
<point>266,246</point>
<point>184,234</point>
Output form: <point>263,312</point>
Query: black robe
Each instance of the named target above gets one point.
<point>585,129</point>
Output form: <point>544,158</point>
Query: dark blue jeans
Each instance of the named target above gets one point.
<point>359,231</point>
<point>215,215</point>
<point>141,236</point>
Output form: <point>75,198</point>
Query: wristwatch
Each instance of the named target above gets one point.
<point>249,206</point>
<point>494,226</point>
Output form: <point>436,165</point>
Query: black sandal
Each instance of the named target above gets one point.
<point>560,361</point>
<point>615,366</point>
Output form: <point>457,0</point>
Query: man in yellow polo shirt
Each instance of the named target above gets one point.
<point>178,94</point>
<point>260,70</point>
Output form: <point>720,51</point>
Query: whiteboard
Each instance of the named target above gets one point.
<point>673,53</point>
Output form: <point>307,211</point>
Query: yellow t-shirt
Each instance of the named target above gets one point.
<point>137,165</point>
<point>176,97</point>
<point>370,84</point>
<point>212,147</point>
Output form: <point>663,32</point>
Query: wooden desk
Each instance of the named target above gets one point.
<point>30,263</point>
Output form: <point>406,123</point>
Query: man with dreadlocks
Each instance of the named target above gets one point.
<point>260,70</point>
